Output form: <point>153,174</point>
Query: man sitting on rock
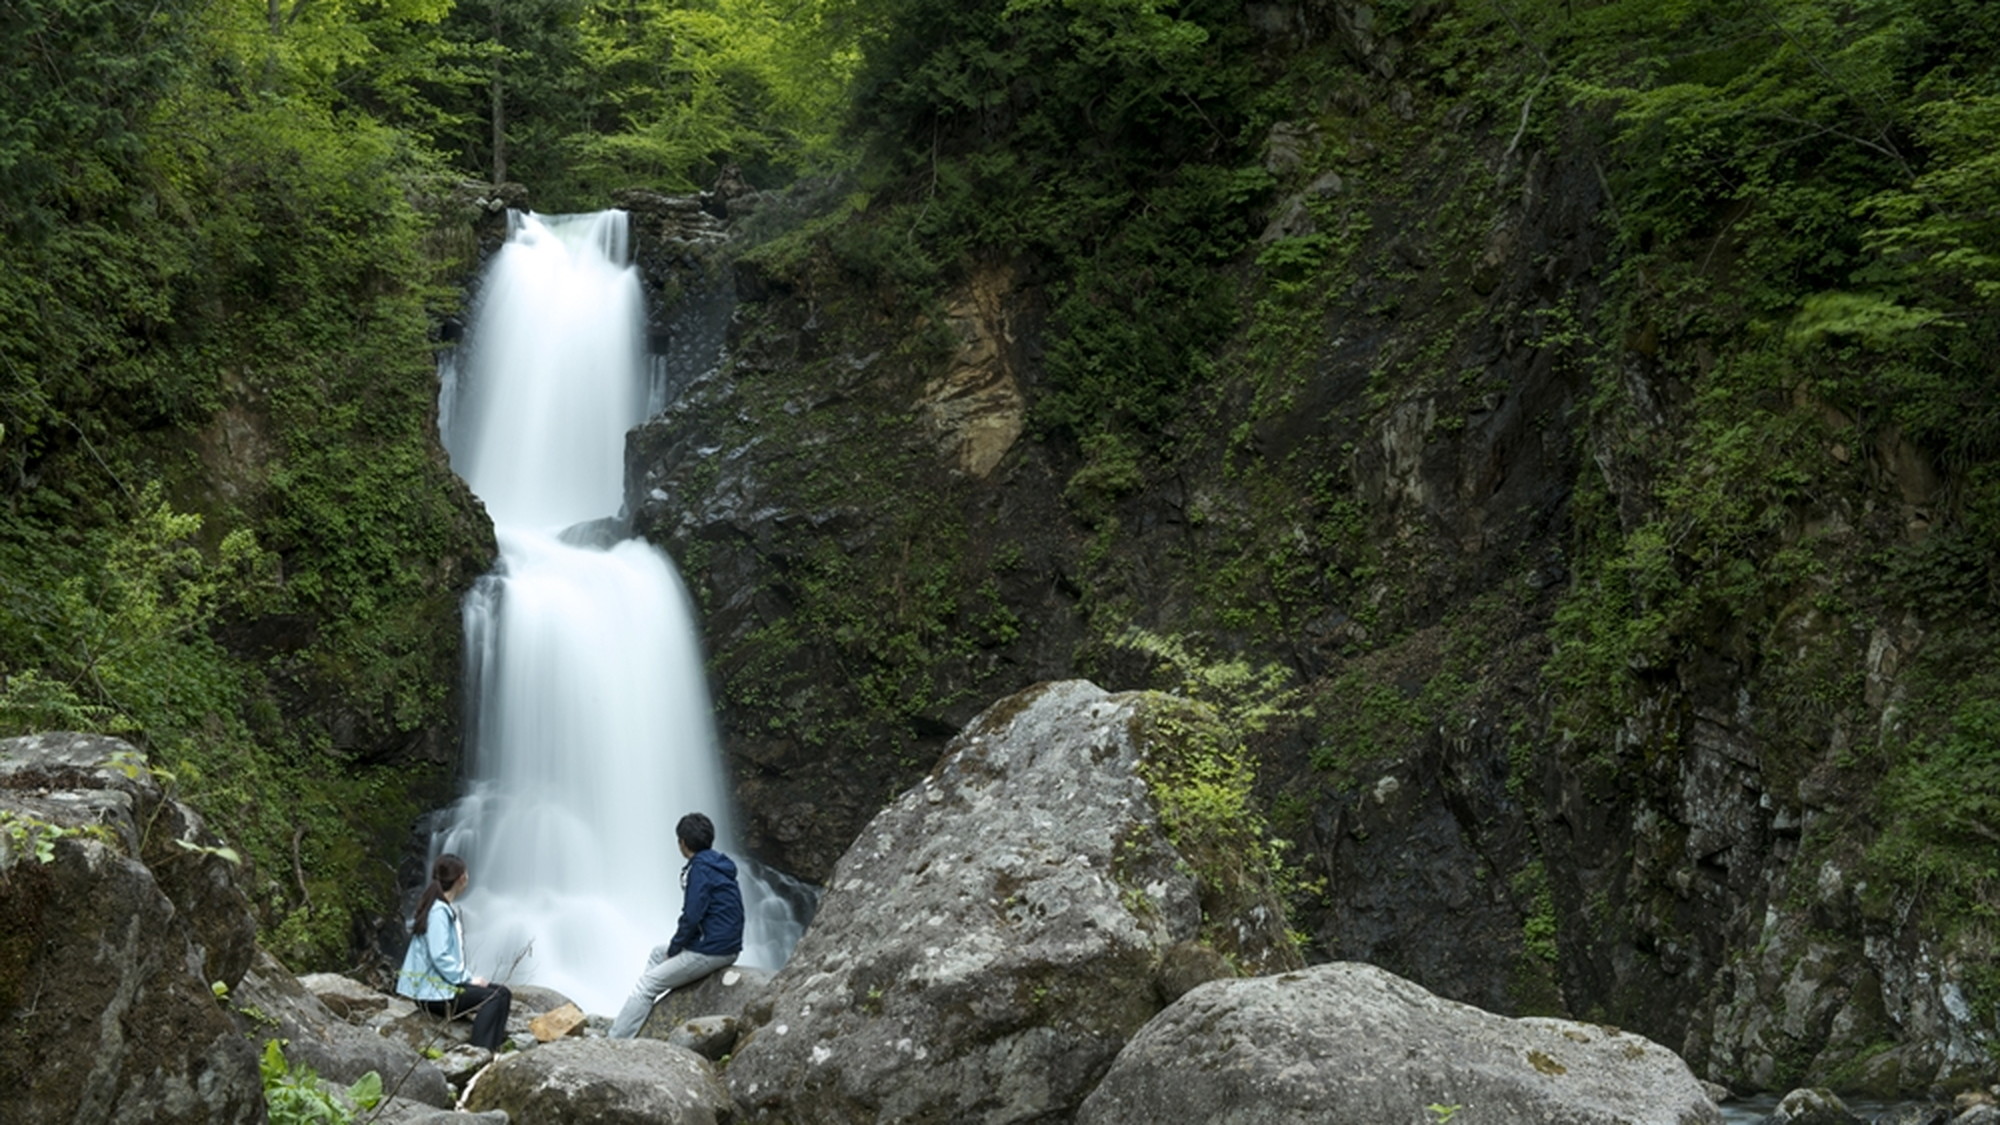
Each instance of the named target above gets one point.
<point>711,928</point>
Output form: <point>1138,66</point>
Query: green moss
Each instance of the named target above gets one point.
<point>1201,783</point>
<point>1530,887</point>
<point>1202,778</point>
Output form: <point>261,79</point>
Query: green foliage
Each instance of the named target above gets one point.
<point>78,78</point>
<point>1250,699</point>
<point>697,85</point>
<point>1538,929</point>
<point>215,388</point>
<point>1202,773</point>
<point>1370,718</point>
<point>1941,800</point>
<point>1842,152</point>
<point>1203,788</point>
<point>1201,780</point>
<point>580,98</point>
<point>1110,470</point>
<point>30,835</point>
<point>1799,185</point>
<point>298,1096</point>
<point>129,641</point>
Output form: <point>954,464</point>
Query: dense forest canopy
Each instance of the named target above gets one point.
<point>230,233</point>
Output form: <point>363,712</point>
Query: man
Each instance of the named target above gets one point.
<point>710,934</point>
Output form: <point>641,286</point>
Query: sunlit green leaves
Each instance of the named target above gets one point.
<point>697,84</point>
<point>1943,227</point>
<point>1866,317</point>
<point>128,643</point>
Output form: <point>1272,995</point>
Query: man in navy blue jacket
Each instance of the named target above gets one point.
<point>710,934</point>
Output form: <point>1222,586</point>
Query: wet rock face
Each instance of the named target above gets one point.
<point>679,246</point>
<point>105,968</point>
<point>1349,1042</point>
<point>995,936</point>
<point>848,508</point>
<point>1668,849</point>
<point>1417,890</point>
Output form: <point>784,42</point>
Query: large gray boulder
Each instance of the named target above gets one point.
<point>997,934</point>
<point>271,1003</point>
<point>725,992</point>
<point>605,1082</point>
<point>115,923</point>
<point>1351,1044</point>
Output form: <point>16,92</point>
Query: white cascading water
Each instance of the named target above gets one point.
<point>592,730</point>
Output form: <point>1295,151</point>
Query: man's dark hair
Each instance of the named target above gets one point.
<point>696,831</point>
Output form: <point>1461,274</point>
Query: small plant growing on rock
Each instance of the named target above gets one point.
<point>30,835</point>
<point>1202,776</point>
<point>297,1096</point>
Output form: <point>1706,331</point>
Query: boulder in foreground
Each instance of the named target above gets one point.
<point>119,919</point>
<point>605,1082</point>
<point>1351,1044</point>
<point>997,934</point>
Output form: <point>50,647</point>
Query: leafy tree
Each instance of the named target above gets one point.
<point>77,78</point>
<point>1834,156</point>
<point>701,84</point>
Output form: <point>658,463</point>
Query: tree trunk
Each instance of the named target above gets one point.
<point>499,106</point>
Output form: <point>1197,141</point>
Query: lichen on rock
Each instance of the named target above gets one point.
<point>995,936</point>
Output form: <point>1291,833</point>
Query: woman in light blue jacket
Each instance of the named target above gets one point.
<point>433,971</point>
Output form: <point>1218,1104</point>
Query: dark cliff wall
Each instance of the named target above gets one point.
<point>1605,629</point>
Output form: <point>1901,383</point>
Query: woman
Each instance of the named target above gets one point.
<point>434,968</point>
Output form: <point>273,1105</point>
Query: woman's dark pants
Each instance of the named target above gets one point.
<point>487,1006</point>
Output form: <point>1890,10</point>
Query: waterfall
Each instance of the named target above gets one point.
<point>591,731</point>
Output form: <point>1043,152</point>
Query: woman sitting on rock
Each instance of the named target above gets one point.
<point>434,973</point>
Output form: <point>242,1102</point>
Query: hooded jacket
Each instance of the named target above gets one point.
<point>434,964</point>
<point>711,907</point>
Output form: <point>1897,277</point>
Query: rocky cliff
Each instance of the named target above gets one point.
<point>1420,464</point>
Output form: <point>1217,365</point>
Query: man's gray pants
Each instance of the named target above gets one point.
<point>663,974</point>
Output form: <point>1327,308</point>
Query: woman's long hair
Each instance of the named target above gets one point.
<point>445,874</point>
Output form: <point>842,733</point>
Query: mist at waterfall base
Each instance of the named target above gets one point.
<point>591,729</point>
